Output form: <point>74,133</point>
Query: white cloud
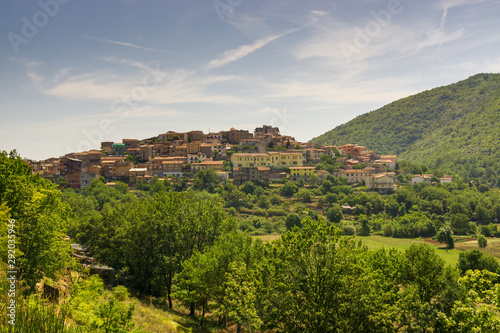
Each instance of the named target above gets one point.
<point>144,87</point>
<point>90,86</point>
<point>230,56</point>
<point>36,80</point>
<point>129,45</point>
<point>446,4</point>
<point>481,66</point>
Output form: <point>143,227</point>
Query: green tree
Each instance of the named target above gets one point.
<point>206,180</point>
<point>444,235</point>
<point>317,282</point>
<point>482,214</point>
<point>131,158</point>
<point>288,189</point>
<point>149,240</point>
<point>334,214</point>
<point>326,186</point>
<point>263,202</point>
<point>423,269</point>
<point>241,297</point>
<point>460,223</point>
<point>204,276</point>
<point>305,196</point>
<point>365,227</point>
<point>482,242</point>
<point>292,220</point>
<point>313,180</point>
<point>248,187</point>
<point>483,188</point>
<point>41,220</point>
<point>475,259</point>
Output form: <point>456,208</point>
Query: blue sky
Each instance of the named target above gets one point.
<point>74,73</point>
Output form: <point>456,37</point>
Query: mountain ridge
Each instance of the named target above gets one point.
<point>454,127</point>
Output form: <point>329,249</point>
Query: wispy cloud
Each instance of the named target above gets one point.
<point>447,4</point>
<point>176,86</point>
<point>230,56</point>
<point>31,69</point>
<point>268,110</point>
<point>129,45</point>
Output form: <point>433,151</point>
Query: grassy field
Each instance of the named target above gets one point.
<point>158,320</point>
<point>493,247</point>
<point>378,242</point>
<point>449,256</point>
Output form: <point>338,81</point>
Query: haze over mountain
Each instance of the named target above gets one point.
<point>455,128</point>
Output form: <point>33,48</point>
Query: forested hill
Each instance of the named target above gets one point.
<point>455,127</point>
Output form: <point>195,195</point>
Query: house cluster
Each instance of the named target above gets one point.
<point>239,155</point>
<point>427,178</point>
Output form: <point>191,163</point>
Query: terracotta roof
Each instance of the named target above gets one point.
<point>380,175</point>
<point>172,162</point>
<point>423,176</point>
<point>352,171</point>
<point>212,162</point>
<point>388,157</point>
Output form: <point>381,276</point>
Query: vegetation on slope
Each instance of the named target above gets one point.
<point>185,244</point>
<point>455,127</point>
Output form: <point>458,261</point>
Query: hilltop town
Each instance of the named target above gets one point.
<point>238,155</point>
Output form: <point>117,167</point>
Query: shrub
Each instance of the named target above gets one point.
<point>256,223</point>
<point>288,189</point>
<point>264,202</point>
<point>275,199</point>
<point>305,196</point>
<point>334,214</point>
<point>485,230</point>
<point>482,242</point>
<point>348,230</point>
<point>313,215</point>
<point>387,230</point>
<point>475,259</point>
<point>276,212</point>
<point>293,220</point>
<point>268,227</point>
<point>246,225</point>
<point>365,228</point>
<point>121,293</point>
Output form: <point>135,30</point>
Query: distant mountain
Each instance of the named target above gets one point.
<point>455,127</point>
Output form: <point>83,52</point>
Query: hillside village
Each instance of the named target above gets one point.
<point>238,155</point>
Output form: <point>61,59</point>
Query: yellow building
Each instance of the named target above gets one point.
<point>296,173</point>
<point>271,159</point>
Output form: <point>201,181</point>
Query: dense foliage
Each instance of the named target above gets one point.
<point>41,221</point>
<point>187,244</point>
<point>455,128</point>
